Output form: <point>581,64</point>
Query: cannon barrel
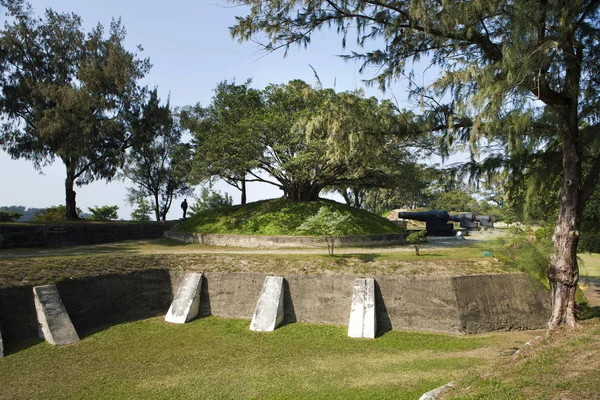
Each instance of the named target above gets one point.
<point>464,216</point>
<point>485,220</point>
<point>424,216</point>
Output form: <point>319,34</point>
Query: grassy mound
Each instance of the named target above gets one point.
<point>282,217</point>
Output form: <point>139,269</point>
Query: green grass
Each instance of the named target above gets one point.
<point>216,358</point>
<point>281,217</point>
<point>590,265</point>
<point>563,366</point>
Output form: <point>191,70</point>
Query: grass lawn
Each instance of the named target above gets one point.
<point>282,217</point>
<point>590,265</point>
<point>217,358</point>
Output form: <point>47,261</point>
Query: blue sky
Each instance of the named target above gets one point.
<point>189,45</point>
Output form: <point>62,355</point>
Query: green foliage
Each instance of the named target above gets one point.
<point>142,211</point>
<point>104,213</point>
<point>300,139</point>
<point>159,166</point>
<point>589,241</point>
<point>455,200</point>
<point>224,135</point>
<point>54,213</point>
<point>281,217</point>
<point>9,216</point>
<point>518,250</point>
<point>26,212</point>
<point>327,223</point>
<point>66,94</point>
<point>210,200</point>
<point>417,239</point>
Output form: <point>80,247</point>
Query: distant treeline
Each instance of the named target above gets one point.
<point>26,212</point>
<point>29,213</point>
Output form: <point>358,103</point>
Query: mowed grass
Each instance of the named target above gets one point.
<point>217,358</point>
<point>282,217</point>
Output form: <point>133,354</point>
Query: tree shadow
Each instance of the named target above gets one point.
<point>368,257</point>
<point>586,312</point>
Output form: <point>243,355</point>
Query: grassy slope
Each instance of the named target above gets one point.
<point>565,365</point>
<point>217,358</point>
<point>281,217</point>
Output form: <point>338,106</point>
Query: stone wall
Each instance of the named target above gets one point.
<point>285,241</point>
<point>466,304</point>
<point>28,235</point>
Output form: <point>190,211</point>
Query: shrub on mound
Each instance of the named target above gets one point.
<point>282,217</point>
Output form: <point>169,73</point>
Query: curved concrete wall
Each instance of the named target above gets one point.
<point>466,304</point>
<point>285,241</point>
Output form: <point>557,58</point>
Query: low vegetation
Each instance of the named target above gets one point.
<point>564,365</point>
<point>45,265</point>
<point>217,358</point>
<point>282,217</point>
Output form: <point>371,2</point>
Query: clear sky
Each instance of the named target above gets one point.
<point>189,45</point>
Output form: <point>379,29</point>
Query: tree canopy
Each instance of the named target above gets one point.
<point>521,75</point>
<point>300,139</point>
<point>158,165</point>
<point>66,93</point>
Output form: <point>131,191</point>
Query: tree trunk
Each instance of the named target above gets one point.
<point>563,272</point>
<point>70,204</point>
<point>243,201</point>
<point>303,192</point>
<point>156,208</point>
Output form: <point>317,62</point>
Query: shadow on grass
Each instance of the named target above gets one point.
<point>362,257</point>
<point>13,347</point>
<point>170,243</point>
<point>586,312</point>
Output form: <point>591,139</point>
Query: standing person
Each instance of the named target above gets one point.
<point>184,207</point>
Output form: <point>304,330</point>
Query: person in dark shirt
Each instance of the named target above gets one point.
<point>184,207</point>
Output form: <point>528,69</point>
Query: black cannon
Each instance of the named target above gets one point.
<point>485,220</point>
<point>436,221</point>
<point>467,220</point>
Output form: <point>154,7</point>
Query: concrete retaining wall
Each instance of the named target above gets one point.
<point>25,235</point>
<point>285,241</point>
<point>91,303</point>
<point>467,304</point>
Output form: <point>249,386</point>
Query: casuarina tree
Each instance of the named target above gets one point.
<point>506,65</point>
<point>66,94</point>
<point>159,165</point>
